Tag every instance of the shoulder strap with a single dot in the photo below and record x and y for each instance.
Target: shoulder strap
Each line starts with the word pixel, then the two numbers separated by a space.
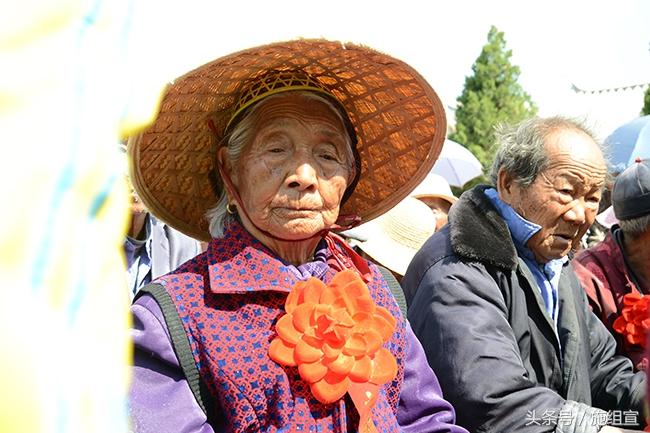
pixel 181 345
pixel 395 288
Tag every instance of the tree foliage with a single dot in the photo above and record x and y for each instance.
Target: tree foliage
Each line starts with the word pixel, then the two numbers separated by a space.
pixel 646 103
pixel 491 95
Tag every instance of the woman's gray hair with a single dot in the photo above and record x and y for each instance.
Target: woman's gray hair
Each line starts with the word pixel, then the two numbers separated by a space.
pixel 635 226
pixel 241 134
pixel 521 148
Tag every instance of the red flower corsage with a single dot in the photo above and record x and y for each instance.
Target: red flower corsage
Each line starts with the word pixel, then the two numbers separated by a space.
pixel 334 334
pixel 634 321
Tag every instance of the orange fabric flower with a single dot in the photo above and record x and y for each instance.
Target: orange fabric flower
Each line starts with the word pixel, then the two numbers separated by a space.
pixel 634 321
pixel 334 334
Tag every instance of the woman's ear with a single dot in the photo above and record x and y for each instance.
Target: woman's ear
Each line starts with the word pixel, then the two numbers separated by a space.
pixel 224 161
pixel 222 157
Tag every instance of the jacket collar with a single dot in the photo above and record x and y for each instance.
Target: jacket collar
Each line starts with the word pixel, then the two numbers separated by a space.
pixel 613 248
pixel 521 229
pixel 239 263
pixel 613 244
pixel 478 232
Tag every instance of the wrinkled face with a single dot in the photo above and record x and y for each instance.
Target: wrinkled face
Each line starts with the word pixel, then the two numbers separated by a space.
pixel 564 197
pixel 294 171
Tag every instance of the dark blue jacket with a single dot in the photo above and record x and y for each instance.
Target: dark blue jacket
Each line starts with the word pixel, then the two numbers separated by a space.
pixel 476 308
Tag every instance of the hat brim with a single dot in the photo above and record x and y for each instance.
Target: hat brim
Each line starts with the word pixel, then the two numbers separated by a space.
pixel 388 252
pixel 398 118
pixel 448 198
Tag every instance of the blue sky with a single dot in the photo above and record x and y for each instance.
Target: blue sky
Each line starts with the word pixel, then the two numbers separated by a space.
pixel 592 44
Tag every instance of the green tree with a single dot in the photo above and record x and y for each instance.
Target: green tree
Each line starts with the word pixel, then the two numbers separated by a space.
pixel 491 95
pixel 646 103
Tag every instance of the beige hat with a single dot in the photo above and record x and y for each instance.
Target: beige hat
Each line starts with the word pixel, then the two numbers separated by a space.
pixel 434 185
pixel 393 239
pixel 398 119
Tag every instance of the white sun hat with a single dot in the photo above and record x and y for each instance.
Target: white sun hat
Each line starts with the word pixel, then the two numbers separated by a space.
pixel 434 185
pixel 393 238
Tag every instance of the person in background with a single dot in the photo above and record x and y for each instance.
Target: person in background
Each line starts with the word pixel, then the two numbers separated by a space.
pixel 495 302
pixel 621 263
pixel 393 239
pixel 595 234
pixel 153 248
pixel 280 325
pixel 597 231
pixel 436 193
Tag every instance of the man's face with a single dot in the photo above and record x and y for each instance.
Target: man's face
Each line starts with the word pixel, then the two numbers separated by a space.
pixel 564 197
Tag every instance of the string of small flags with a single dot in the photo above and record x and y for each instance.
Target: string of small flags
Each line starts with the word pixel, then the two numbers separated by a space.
pixel 612 89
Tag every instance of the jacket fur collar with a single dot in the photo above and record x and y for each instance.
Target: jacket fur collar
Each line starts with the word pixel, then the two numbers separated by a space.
pixel 478 232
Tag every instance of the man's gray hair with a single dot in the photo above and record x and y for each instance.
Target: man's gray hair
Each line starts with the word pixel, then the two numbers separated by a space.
pixel 218 216
pixel 635 226
pixel 521 148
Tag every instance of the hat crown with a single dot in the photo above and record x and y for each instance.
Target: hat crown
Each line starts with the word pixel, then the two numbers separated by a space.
pixel 433 185
pixel 272 82
pixel 410 223
pixel 631 192
pixel 395 237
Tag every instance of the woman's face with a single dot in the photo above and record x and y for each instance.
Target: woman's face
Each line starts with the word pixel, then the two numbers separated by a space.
pixel 292 174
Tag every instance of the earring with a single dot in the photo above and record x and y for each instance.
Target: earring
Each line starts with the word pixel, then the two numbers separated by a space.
pixel 231 209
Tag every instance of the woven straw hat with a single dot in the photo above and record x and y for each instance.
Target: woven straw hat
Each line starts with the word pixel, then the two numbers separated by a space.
pixel 393 239
pixel 398 118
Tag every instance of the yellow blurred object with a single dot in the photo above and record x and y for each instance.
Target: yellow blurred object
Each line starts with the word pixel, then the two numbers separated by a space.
pixel 67 94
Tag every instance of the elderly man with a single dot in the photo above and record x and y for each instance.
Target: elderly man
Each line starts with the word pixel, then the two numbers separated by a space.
pixel 621 263
pixel 497 307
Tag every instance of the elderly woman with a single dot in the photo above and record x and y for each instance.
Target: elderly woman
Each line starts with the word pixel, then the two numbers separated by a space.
pixel 279 326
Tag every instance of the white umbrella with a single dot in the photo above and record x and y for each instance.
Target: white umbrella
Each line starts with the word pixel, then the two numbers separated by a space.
pixel 457 164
